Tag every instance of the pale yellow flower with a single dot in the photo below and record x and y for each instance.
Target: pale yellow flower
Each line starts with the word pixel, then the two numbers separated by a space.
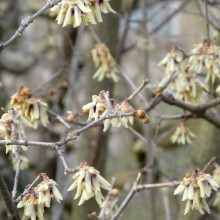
pixel 173 61
pixel 6 128
pixel 88 183
pixel 189 88
pixel 206 56
pixel 182 135
pixel 76 12
pixel 196 187
pixel 31 109
pixel 32 210
pixel 46 190
pixel 106 64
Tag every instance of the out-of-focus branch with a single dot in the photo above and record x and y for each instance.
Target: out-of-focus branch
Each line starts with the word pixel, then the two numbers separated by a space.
pixel 137 134
pixel 144 83
pixel 25 23
pixel 16 153
pixel 211 18
pixel 137 188
pixel 169 17
pixel 5 195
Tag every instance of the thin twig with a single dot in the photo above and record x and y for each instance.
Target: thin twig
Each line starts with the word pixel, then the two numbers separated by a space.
pixel 59 118
pixel 132 85
pixel 95 35
pixel 207 19
pixel 137 134
pixel 28 189
pixel 25 23
pixel 136 92
pixel 71 136
pixel 137 188
pixel 208 164
pixel 15 137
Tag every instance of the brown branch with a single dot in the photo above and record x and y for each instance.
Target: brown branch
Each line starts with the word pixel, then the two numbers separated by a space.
pixel 137 134
pixel 136 92
pixel 207 19
pixel 28 188
pixel 208 164
pixel 25 23
pixel 211 20
pixel 15 137
pixel 201 111
pixel 137 188
pixel 12 211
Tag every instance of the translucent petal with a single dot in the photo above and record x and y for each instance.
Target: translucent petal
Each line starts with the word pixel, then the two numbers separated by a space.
pixel 103 182
pixel 83 7
pixel 98 12
pixel 68 17
pixel 88 184
pixel 188 206
pixel 56 193
pixel 107 124
pixel 77 17
pixel 179 189
pixel 73 186
pixel 191 191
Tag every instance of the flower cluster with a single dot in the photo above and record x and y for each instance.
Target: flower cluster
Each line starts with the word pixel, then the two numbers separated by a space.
pixel 31 207
pixel 39 197
pixel 6 129
pixel 189 88
pixel 31 109
pixel 47 189
pixel 206 56
pixel 173 61
pixel 75 12
pixel 124 107
pixel 196 187
pixel 99 108
pixel 103 59
pixel 89 182
pixel 182 135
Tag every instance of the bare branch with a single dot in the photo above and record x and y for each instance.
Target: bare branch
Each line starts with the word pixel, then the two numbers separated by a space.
pixel 25 23
pixel 137 188
pixel 201 111
pixel 11 113
pixel 136 92
pixel 208 164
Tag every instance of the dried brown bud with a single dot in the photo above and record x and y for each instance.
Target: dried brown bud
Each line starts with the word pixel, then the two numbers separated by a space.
pixel 24 91
pixel 145 120
pixel 140 113
pixel 64 85
pixel 71 118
